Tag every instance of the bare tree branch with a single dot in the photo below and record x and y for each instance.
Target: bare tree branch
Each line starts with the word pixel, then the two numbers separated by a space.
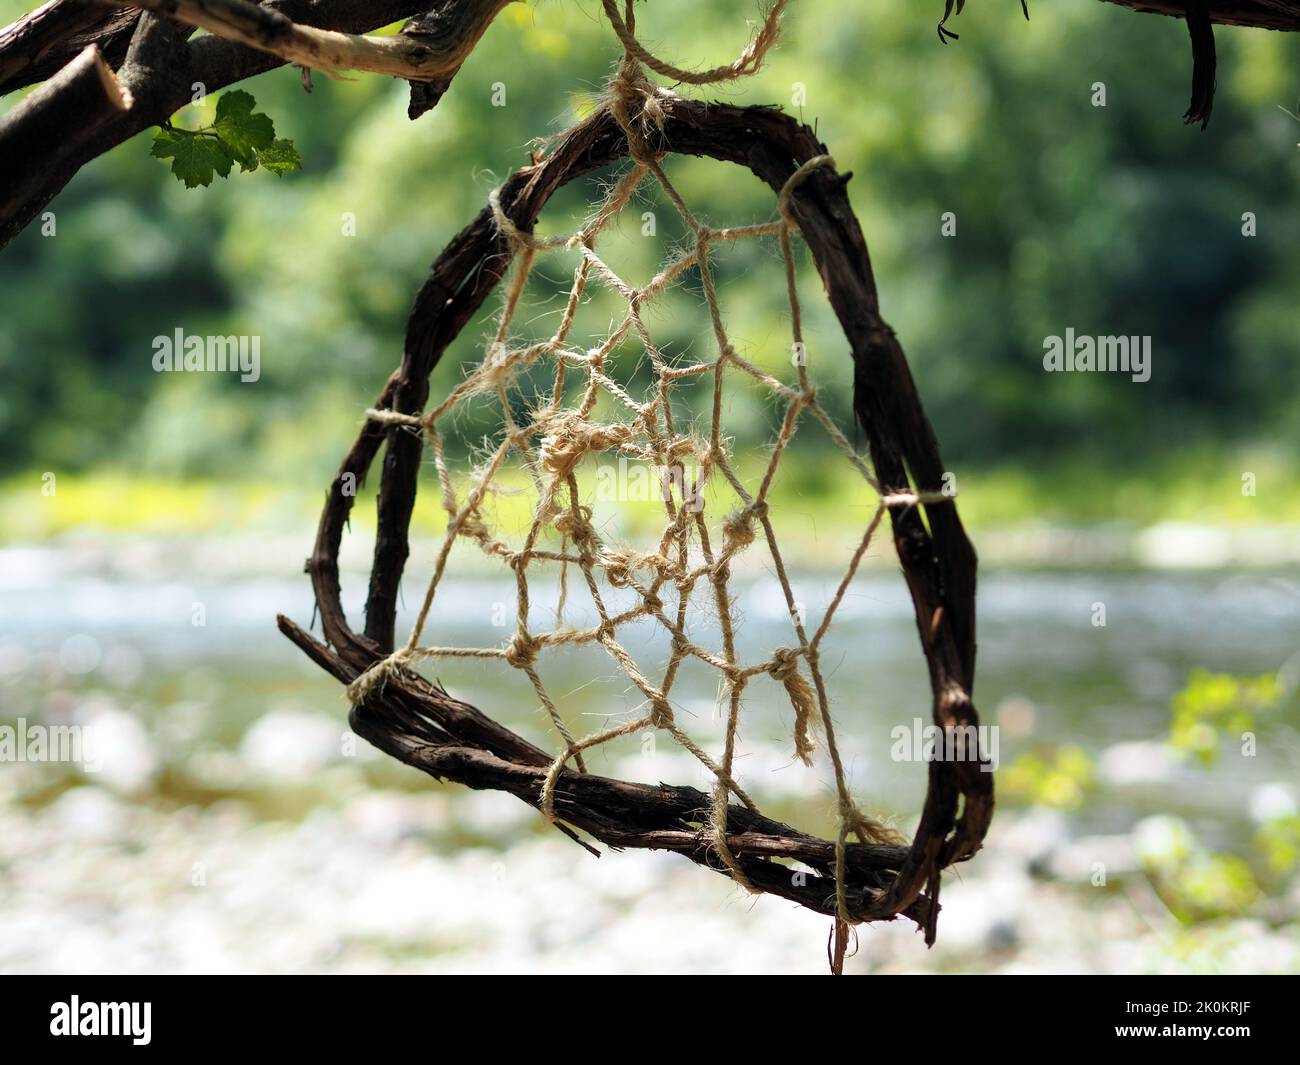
pixel 430 26
pixel 433 54
pixel 1263 14
pixel 44 41
pixel 86 92
pixel 158 53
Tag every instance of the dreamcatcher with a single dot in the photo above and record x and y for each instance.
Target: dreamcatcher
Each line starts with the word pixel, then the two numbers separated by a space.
pixel 867 873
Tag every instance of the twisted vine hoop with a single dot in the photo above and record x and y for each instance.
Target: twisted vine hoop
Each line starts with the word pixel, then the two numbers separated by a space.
pixel 424 726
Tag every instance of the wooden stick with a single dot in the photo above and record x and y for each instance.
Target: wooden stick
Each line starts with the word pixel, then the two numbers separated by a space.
pixel 620 814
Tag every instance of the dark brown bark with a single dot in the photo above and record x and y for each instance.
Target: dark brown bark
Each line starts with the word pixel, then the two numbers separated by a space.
pixel 1264 14
pixel 447 36
pixel 424 726
pixel 431 26
pixel 85 91
pixel 44 41
pixel 1204 62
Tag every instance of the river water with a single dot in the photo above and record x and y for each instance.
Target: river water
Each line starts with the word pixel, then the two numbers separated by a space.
pixel 225 750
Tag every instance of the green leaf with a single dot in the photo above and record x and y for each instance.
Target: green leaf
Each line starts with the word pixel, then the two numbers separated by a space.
pixel 237 135
pixel 280 157
pixel 194 157
pixel 164 141
pixel 244 131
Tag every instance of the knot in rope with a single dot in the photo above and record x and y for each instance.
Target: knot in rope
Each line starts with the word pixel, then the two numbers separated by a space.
pixel 712 454
pixel 374 678
pixel 472 525
pixel 522 650
pixel 667 568
pixel 785 668
pixel 576 525
pixel 618 567
pixel 864 827
pixel 572 438
pixel 637 104
pixel 661 713
pixel 739 526
pixel 785 660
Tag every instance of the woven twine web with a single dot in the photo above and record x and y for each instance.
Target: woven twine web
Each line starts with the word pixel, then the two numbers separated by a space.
pixel 556 439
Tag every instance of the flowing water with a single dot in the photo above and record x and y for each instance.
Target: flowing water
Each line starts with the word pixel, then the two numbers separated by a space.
pixel 207 713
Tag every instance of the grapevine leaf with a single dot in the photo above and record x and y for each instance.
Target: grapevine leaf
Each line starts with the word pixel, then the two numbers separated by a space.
pixel 243 130
pixel 164 142
pixel 280 158
pixel 194 157
pixel 238 134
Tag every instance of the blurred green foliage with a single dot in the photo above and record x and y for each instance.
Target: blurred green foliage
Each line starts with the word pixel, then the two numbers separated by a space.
pixel 1278 839
pixel 1059 779
pixel 1215 707
pixel 1114 220
pixel 1195 884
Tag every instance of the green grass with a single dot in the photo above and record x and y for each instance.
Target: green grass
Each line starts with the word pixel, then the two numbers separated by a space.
pixel 817 490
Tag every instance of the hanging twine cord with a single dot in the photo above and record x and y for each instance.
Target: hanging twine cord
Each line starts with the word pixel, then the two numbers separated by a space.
pixel 558 438
pixel 748 62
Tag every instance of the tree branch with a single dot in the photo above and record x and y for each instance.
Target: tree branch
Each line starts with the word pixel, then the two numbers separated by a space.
pixel 431 26
pixel 211 60
pixel 424 58
pixel 84 93
pixel 44 41
pixel 1262 14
